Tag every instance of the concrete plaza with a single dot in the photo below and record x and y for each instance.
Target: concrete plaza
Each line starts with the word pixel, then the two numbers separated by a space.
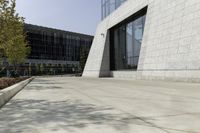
pixel 84 105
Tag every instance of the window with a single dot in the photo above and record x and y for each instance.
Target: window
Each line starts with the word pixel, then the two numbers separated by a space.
pixel 125 43
pixel 108 6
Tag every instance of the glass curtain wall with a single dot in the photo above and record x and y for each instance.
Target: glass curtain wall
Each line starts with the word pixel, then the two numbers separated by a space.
pixel 108 6
pixel 52 46
pixel 126 43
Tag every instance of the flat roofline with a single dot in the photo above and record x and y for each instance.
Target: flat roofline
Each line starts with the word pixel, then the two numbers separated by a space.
pixel 56 30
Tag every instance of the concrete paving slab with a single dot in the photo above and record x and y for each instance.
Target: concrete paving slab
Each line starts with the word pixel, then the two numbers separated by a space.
pixel 86 105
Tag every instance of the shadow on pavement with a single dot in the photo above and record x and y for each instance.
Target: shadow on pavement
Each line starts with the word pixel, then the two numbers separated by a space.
pixel 38 87
pixel 65 115
pixel 46 81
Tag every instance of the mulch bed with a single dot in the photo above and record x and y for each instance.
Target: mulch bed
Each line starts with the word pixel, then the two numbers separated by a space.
pixel 6 82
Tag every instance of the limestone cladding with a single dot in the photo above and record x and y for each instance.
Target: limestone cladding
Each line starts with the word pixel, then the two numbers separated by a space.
pixel 171 42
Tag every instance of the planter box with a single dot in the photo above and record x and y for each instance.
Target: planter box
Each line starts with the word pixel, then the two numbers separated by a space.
pixel 7 93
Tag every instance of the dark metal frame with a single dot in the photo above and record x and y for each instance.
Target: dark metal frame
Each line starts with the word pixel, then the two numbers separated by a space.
pixel 124 22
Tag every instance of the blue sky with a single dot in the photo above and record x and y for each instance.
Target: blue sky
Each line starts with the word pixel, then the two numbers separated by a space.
pixel 71 15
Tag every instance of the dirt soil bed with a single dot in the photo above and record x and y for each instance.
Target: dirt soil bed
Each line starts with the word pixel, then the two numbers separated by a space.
pixel 6 82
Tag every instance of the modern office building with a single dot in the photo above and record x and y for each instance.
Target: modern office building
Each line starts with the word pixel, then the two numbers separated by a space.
pixel 52 47
pixel 147 39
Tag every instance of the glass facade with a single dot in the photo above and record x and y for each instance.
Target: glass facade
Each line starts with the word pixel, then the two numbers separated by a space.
pixel 52 44
pixel 108 6
pixel 126 42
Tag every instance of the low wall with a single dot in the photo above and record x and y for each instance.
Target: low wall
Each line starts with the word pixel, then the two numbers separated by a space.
pixel 9 92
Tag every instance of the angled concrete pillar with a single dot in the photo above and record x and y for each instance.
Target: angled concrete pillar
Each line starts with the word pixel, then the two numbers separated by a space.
pixel 97 64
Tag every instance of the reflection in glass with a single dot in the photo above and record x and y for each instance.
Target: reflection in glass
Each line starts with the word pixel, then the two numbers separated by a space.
pixel 120 46
pixel 108 6
pixel 127 41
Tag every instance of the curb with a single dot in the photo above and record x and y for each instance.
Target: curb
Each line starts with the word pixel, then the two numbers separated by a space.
pixel 9 92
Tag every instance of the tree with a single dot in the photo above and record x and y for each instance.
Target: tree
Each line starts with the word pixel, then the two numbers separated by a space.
pixel 13 44
pixel 63 68
pixel 42 68
pixel 38 71
pixel 83 57
pixel 3 12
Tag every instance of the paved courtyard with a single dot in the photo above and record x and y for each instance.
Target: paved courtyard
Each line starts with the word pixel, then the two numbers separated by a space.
pixel 81 105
